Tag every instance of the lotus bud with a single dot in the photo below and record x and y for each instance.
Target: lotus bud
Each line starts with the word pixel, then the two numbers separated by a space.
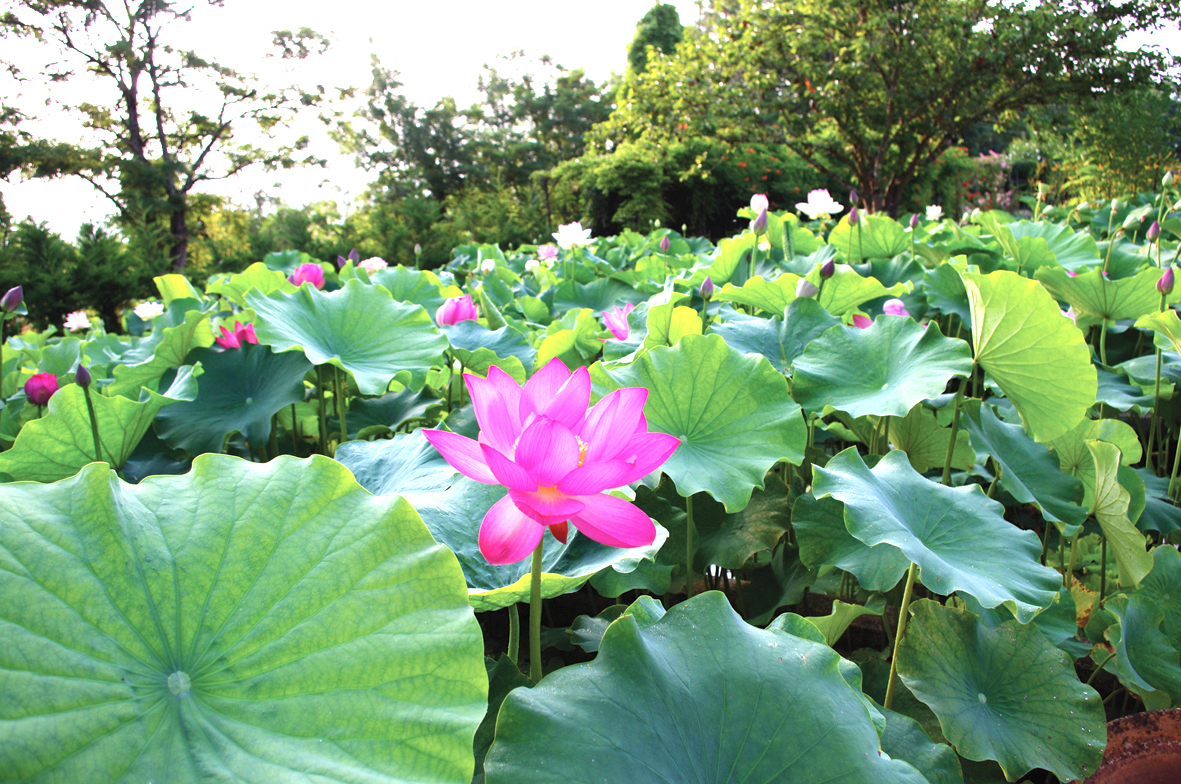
pixel 417 249
pixel 1118 205
pixel 1043 190
pixel 827 269
pixel 1165 284
pixel 805 288
pixel 341 261
pixel 853 216
pixel 707 288
pixel 759 224
pixel 82 377
pixel 1083 207
pixel 1153 233
pixel 40 388
pixel 665 244
pixel 1131 223
pixel 914 221
pixel 854 198
pixel 1177 206
pixel 1167 180
pixel 12 299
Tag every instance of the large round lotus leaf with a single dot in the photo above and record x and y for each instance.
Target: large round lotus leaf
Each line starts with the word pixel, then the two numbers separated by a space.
pixel 1167 327
pixel 732 254
pixel 1072 250
pixel 243 622
pixel 905 739
pixel 600 295
pixel 390 410
pixel 468 337
pixel 732 412
pixel 1147 661
pixel 846 289
pixel 358 328
pixel 182 328
pixel 1003 693
pixel 1028 470
pixel 925 443
pixel 668 703
pixel 1093 294
pixel 872 237
pixel 884 369
pixel 956 535
pixel 256 276
pixel 61 442
pixel 240 390
pixel 417 287
pixel 769 295
pixel 825 541
pixel 1162 587
pixel 780 340
pixel 1036 356
pixel 453 507
pixel 668 323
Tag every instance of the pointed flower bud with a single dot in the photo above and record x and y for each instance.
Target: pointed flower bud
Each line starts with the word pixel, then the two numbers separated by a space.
pixel 854 198
pixel 1165 284
pixel 1043 189
pixel 1118 205
pixel 1167 180
pixel 707 288
pixel 82 377
pixel 827 269
pixel 805 288
pixel 914 221
pixel 665 244
pixel 853 218
pixel 12 299
pixel 1131 223
pixel 40 388
pixel 417 249
pixel 759 224
pixel 1153 233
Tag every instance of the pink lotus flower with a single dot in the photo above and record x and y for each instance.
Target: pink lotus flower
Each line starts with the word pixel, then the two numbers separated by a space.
pixel 243 333
pixel 374 264
pixel 547 252
pixel 307 273
pixel 557 458
pixel 895 307
pixel 455 310
pixel 862 322
pixel 616 320
pixel 40 388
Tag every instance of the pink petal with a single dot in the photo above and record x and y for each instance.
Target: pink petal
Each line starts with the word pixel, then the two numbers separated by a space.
pixel 648 451
pixel 228 339
pixel 543 387
pixel 611 421
pixel 895 307
pixel 596 477
pixel 462 453
pixel 862 322
pixel 506 471
pixel 510 390
pixel 614 522
pixel 546 505
pixel 548 451
pixel 506 535
pixel 569 405
pixel 497 426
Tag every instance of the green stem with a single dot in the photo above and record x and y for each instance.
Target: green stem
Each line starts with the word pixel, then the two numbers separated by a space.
pixel 1070 569
pixel 342 391
pixel 535 615
pixel 1152 422
pixel 955 426
pixel 1173 474
pixel 789 233
pixel 294 432
pixel 514 633
pixel 690 546
pixel 461 384
pixel 1099 669
pixel 98 444
pixel 1103 342
pixel 902 611
pixel 1045 544
pixel 1102 568
pixel 992 485
pixel 273 445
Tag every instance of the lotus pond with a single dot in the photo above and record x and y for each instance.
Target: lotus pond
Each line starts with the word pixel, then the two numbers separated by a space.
pixel 900 506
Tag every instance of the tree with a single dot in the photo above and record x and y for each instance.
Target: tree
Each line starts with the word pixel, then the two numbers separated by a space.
pixel 659 28
pixel 871 92
pixel 172 121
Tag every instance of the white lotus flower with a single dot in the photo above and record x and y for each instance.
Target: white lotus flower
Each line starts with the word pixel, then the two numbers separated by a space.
pixel 819 204
pixel 76 321
pixel 759 202
pixel 934 212
pixel 532 265
pixel 487 265
pixel 374 264
pixel 572 235
pixel 148 310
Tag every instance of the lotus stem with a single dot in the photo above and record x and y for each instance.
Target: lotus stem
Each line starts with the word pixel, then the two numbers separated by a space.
pixel 1173 474
pixel 1069 573
pixel 992 484
pixel 1099 669
pixel 535 615
pixel 342 390
pixel 690 546
pixel 955 426
pixel 1152 422
pixel 514 633
pixel 273 444
pixel 1102 569
pixel 892 684
pixel 789 235
pixel 98 446
pixel 1103 342
pixel 322 412
pixel 294 432
pixel 1045 543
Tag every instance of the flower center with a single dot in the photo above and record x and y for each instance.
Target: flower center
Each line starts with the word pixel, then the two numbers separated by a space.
pixel 582 447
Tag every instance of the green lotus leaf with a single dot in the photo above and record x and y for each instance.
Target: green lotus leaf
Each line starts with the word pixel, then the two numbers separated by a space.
pixel 884 369
pixel 391 410
pixel 602 294
pixel 834 625
pixel 668 323
pixel 453 508
pixel 286 261
pixel 906 740
pixel 846 290
pixel 956 535
pixel 732 412
pixel 1118 392
pixel 785 233
pixel 1111 511
pixel 1075 459
pixel 358 328
pixel 925 442
pixel 468 337
pixel 503 677
pixel 664 703
pixel 1094 295
pixel 257 276
pixel 240 390
pixel 825 541
pixel 873 237
pixel 1167 327
pixel 178 331
pixel 1036 356
pixel 1162 586
pixel 772 296
pixel 1029 472
pixel 1160 513
pixel 247 622
pixel 1002 693
pixel 944 289
pixel 1146 660
pixel 785 580
pixel 1072 250
pixel 416 287
pixel 175 286
pixel 780 340
pixel 731 253
pixel 61 442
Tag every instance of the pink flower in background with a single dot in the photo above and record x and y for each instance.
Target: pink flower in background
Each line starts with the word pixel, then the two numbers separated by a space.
pixel 616 320
pixel 455 310
pixel 373 265
pixel 76 321
pixel 1070 314
pixel 307 273
pixel 557 458
pixel 1072 274
pixel 895 307
pixel 862 322
pixel 547 252
pixel 40 388
pixel 243 333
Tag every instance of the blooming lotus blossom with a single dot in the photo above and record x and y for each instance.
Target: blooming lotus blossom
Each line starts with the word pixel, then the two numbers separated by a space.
pixel 895 307
pixel 40 388
pixel 819 204
pixel 76 321
pixel 862 322
pixel 572 235
pixel 616 320
pixel 487 265
pixel 455 310
pixel 147 311
pixel 243 333
pixel 759 203
pixel 547 251
pixel 934 212
pixel 557 458
pixel 307 273
pixel 532 265
pixel 372 265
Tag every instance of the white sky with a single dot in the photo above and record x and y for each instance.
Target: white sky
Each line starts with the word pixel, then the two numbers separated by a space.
pixel 439 48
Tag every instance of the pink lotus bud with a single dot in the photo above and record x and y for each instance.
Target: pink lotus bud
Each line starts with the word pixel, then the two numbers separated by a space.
pixel 307 273
pixel 665 244
pixel 417 249
pixel 707 288
pixel 854 198
pixel 895 307
pixel 853 216
pixel 1153 233
pixel 82 377
pixel 806 288
pixel 1165 284
pixel 862 322
pixel 914 221
pixel 40 388
pixel 12 299
pixel 827 269
pixel 759 224
pixel 455 310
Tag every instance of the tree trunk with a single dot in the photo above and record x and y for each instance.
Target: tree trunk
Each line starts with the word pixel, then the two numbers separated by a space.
pixel 179 228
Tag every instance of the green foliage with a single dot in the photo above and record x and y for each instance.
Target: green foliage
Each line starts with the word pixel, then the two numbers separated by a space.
pixel 659 28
